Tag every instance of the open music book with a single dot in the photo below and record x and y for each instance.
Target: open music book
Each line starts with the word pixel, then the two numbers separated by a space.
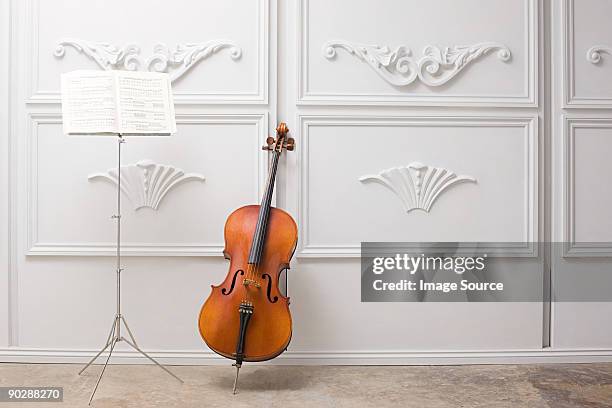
pixel 117 102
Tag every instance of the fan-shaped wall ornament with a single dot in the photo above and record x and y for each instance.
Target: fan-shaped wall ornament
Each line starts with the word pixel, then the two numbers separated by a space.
pixel 147 183
pixel 417 185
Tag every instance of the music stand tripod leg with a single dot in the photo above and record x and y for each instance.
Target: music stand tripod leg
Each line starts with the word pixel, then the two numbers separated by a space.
pixel 129 331
pixel 135 347
pixel 108 343
pixel 113 342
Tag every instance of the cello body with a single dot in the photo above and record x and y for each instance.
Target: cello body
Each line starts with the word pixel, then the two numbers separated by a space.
pixel 246 317
pixel 269 328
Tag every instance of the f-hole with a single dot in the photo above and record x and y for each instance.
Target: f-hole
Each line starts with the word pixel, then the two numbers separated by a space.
pixel 269 291
pixel 231 289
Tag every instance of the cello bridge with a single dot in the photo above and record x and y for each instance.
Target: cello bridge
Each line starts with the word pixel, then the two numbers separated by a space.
pixel 248 282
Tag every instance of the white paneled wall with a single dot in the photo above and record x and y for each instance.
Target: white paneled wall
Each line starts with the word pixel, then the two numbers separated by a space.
pixel 378 216
pixel 388 53
pixel 5 116
pixel 582 116
pixel 586 47
pixel 236 35
pixel 366 87
pixel 59 274
pixel 382 86
pixel 69 193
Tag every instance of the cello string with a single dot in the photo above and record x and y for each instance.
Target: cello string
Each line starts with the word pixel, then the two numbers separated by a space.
pixel 253 275
pixel 246 280
pixel 249 274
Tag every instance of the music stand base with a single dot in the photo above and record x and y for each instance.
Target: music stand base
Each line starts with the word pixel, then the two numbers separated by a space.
pixel 115 337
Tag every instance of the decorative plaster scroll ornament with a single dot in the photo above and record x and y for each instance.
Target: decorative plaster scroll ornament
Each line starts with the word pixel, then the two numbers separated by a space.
pixel 417 185
pixel 163 59
pixel 594 53
pixel 434 68
pixel 146 183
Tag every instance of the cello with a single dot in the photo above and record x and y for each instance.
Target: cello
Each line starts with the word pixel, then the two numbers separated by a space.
pixel 246 317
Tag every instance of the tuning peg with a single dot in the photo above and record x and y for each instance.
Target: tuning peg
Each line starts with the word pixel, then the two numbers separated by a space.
pixel 269 143
pixel 290 144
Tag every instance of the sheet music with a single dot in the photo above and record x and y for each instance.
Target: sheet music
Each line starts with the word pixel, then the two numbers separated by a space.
pixel 88 102
pixel 130 103
pixel 145 103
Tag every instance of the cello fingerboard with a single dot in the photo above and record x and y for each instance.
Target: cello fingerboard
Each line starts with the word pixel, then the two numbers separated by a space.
pixel 259 236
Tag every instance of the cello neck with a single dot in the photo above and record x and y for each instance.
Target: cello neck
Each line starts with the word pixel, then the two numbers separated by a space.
pixel 264 211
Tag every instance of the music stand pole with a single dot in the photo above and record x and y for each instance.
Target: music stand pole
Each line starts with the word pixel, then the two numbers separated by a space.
pixel 115 336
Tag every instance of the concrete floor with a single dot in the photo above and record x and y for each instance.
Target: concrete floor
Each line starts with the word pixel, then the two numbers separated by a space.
pixel 557 386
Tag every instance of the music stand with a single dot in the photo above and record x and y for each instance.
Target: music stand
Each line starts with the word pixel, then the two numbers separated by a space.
pixel 115 335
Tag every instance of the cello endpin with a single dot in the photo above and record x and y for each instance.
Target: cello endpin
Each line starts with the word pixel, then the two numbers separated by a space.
pixel 236 379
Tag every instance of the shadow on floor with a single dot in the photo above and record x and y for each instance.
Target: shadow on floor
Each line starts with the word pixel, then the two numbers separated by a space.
pixel 253 379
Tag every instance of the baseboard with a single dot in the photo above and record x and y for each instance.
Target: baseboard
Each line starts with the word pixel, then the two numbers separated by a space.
pixel 197 357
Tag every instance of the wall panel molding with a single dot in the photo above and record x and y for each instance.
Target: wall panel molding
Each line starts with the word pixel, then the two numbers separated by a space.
pixel 6 250
pixel 435 67
pixel 175 61
pixel 183 58
pixel 529 98
pixel 35 247
pixel 527 248
pixel 593 55
pixel 323 357
pixel 571 248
